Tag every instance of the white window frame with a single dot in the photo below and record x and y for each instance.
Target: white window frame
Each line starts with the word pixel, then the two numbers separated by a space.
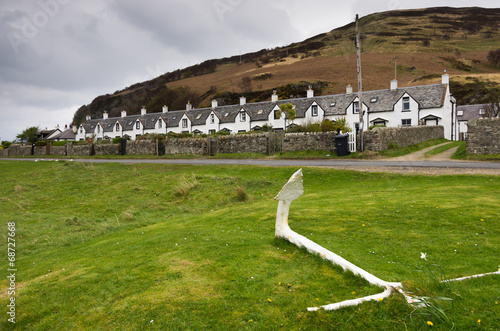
pixel 184 123
pixel 406 120
pixel 314 110
pixel 406 104
pixel 243 116
pixel 137 125
pixel 355 107
pixel 212 118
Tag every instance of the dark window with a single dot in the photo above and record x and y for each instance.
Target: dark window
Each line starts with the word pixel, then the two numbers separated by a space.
pixel 406 122
pixel 212 119
pixel 159 124
pixel 277 114
pixel 137 125
pixel 117 126
pixel 243 117
pixel 184 123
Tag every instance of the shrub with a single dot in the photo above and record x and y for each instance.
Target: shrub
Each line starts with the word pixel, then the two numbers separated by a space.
pixel 376 126
pixel 6 144
pixel 392 145
pixel 241 195
pixel 494 57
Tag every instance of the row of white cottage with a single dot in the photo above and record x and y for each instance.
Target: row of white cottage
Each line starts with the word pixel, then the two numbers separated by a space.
pixel 394 107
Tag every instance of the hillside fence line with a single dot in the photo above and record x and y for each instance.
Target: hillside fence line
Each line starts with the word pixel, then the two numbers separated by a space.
pixel 264 143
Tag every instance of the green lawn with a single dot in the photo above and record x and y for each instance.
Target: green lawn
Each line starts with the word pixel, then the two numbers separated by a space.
pixel 127 247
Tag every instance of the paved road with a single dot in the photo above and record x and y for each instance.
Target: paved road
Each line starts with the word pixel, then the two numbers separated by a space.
pixel 301 163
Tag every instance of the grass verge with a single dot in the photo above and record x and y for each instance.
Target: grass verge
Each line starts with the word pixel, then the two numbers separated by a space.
pixel 112 246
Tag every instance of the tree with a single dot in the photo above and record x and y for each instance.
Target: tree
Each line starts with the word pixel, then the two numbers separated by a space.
pixel 494 57
pixel 289 110
pixel 29 135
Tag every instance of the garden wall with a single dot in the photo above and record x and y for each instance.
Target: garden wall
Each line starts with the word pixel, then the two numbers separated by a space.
pixel 483 136
pixel 379 139
pixel 175 146
pixel 84 150
pixel 107 149
pixel 319 141
pixel 243 143
pixel 142 147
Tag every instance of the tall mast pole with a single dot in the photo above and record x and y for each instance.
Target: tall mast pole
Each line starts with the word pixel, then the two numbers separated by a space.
pixel 360 85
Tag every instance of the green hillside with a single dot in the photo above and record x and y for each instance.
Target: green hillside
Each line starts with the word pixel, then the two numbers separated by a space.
pixel 425 42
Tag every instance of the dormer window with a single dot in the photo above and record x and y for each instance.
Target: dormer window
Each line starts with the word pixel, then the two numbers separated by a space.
pixel 184 123
pixel 137 125
pixel 355 106
pixel 117 126
pixel 314 110
pixel 98 129
pixel 277 114
pixel 159 124
pixel 406 103
pixel 212 118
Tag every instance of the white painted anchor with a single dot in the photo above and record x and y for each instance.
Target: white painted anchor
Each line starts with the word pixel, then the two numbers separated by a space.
pixel 294 189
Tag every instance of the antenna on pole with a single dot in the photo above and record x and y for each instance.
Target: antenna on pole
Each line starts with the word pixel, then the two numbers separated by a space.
pixel 395 67
pixel 360 86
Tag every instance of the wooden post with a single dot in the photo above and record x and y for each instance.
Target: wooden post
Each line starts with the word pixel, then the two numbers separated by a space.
pixel 360 85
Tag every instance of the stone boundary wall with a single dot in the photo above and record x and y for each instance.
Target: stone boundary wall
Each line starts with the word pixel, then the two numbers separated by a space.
pixel 483 136
pixel 243 143
pixel 375 140
pixel 379 139
pixel 84 150
pixel 4 152
pixel 176 146
pixel 58 150
pixel 318 141
pixel 107 149
pixel 142 147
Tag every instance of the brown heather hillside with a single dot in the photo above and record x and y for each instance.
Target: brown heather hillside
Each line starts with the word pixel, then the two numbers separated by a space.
pixel 426 42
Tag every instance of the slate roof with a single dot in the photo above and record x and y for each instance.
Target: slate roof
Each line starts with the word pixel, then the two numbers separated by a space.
pixel 470 111
pixel 65 135
pixel 228 114
pixel 428 96
pixel 173 117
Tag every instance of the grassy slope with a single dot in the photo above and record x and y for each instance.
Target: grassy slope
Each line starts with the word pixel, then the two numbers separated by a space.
pixel 118 246
pixel 452 45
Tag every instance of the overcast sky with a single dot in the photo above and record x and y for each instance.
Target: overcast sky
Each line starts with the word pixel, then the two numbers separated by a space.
pixel 57 55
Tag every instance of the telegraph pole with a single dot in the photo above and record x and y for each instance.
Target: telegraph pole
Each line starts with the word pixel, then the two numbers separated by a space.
pixel 360 86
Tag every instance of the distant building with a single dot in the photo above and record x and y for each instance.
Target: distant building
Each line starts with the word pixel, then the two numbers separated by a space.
pixel 469 112
pixel 394 107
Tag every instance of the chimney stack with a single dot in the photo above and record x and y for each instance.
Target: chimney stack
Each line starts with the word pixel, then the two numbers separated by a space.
pixel 310 92
pixel 124 113
pixel 74 127
pixel 189 106
pixel 105 115
pixel 274 96
pixel 394 85
pixel 143 111
pixel 348 89
pixel 445 78
pixel 87 118
pixel 165 109
pixel 214 103
pixel 243 101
